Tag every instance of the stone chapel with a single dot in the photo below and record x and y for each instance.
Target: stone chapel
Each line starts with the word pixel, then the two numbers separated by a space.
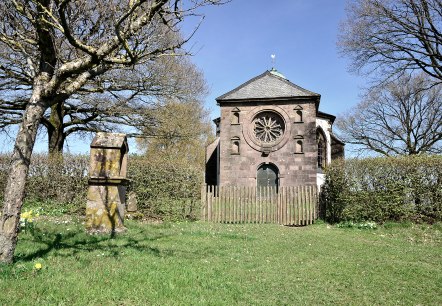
pixel 271 133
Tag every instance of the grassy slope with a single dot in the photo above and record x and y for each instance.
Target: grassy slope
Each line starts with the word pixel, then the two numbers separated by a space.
pixel 216 264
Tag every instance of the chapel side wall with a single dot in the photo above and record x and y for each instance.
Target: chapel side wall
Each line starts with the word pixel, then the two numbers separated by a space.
pixel 326 128
pixel 296 169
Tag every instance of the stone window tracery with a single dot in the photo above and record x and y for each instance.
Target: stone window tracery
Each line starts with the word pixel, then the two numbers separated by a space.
pixel 268 127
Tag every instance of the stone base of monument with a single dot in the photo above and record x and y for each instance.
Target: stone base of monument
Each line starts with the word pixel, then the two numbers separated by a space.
pixel 105 205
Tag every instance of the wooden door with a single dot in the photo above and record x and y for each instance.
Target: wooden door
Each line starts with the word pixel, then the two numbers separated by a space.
pixel 267 176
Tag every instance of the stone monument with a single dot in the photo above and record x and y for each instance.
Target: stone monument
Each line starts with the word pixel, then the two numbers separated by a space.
pixel 106 197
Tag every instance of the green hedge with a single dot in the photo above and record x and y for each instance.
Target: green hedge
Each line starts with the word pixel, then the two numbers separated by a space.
pixel 165 189
pixel 383 189
pixel 57 183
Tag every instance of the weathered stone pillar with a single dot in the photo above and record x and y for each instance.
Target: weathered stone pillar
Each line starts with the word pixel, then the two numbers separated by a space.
pixel 106 197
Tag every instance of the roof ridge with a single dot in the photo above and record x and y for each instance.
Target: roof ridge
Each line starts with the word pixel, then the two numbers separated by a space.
pixel 269 73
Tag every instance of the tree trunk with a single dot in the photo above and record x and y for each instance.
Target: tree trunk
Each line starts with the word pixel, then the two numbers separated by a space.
pixel 56 135
pixel 15 186
pixel 56 142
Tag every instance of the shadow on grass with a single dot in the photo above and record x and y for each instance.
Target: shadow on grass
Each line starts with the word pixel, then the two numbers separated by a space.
pixel 77 241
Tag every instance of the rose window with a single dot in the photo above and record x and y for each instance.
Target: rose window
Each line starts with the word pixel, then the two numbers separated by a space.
pixel 268 127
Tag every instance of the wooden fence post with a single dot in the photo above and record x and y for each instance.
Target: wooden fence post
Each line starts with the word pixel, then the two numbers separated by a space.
pixel 203 202
pixel 287 205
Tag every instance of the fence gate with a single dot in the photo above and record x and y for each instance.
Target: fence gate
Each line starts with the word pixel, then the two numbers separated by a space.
pixel 282 205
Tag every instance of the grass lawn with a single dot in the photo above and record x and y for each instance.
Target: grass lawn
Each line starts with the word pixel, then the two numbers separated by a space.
pixel 222 264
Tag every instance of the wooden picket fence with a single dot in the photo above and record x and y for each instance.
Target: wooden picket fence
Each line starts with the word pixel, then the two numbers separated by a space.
pixel 284 205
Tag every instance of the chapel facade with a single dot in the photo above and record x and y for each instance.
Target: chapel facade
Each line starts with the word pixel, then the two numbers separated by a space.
pixel 271 133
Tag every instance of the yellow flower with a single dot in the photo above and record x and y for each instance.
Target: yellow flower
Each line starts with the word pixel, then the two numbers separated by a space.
pixel 26 214
pixel 37 266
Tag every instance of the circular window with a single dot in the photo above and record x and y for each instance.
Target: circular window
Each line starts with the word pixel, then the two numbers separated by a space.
pixel 268 127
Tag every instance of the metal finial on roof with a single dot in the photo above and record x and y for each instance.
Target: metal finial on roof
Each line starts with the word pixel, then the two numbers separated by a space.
pixel 273 70
pixel 277 73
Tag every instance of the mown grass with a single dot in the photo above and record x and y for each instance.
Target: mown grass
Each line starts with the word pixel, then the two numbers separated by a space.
pixel 221 264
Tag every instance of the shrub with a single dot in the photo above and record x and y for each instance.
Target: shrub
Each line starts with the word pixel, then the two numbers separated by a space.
pixel 59 181
pixel 166 188
pixel 383 189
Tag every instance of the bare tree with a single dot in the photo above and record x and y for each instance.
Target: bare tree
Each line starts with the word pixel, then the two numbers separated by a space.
pixel 116 99
pixel 392 36
pixel 402 117
pixel 69 43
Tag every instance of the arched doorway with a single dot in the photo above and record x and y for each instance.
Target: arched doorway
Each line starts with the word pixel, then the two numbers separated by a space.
pixel 267 176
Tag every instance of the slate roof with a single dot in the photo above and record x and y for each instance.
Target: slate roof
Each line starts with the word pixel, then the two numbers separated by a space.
pixel 269 85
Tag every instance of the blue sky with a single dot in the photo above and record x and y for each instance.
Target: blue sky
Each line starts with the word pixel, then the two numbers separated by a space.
pixel 235 41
